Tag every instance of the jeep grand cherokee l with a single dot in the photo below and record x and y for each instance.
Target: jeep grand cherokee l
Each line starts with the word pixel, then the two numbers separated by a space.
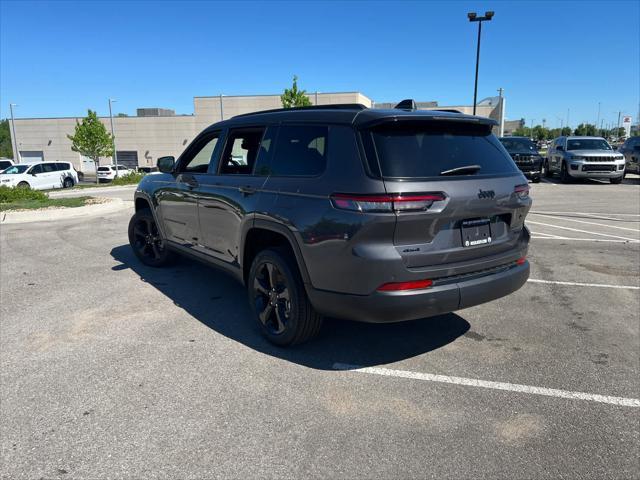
pixel 583 157
pixel 343 211
pixel 525 155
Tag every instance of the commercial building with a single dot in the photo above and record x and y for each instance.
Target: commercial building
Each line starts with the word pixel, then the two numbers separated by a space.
pixel 156 132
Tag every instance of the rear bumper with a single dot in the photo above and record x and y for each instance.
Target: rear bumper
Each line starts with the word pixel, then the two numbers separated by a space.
pixel 388 307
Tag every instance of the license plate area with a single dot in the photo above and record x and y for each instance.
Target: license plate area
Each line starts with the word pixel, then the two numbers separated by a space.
pixel 476 231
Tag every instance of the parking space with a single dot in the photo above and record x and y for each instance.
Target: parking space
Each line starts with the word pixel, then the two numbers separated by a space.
pixel 112 369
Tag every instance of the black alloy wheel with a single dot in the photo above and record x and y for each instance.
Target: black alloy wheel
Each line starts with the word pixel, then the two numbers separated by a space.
pixel 271 298
pixel 146 241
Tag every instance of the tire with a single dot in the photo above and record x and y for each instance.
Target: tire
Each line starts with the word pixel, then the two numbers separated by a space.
pixel 23 185
pixel 564 174
pixel 279 301
pixel 535 179
pixel 68 182
pixel 146 241
pixel 547 171
pixel 617 180
pixel 80 176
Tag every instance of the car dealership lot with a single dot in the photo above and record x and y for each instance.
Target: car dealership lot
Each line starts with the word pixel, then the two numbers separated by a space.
pixel 112 369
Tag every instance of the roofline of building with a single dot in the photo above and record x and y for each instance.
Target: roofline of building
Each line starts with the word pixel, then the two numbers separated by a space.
pixel 276 95
pixel 105 117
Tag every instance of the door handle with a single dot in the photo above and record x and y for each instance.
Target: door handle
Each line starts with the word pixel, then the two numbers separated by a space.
pixel 247 190
pixel 190 181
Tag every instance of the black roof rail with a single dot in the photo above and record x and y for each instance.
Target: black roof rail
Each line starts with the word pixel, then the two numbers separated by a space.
pixel 408 104
pixel 335 106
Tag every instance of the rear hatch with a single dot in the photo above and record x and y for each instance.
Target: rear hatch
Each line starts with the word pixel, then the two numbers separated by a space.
pixel 476 199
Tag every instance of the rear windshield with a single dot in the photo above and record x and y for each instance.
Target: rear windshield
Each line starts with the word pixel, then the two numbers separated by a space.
pixel 588 144
pixel 518 144
pixel 104 169
pixel 424 149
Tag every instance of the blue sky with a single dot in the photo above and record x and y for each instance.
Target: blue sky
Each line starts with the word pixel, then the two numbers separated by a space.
pixel 60 58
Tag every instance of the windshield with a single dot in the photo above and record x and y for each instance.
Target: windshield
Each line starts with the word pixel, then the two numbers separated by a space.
pixel 426 149
pixel 16 169
pixel 588 144
pixel 104 169
pixel 518 145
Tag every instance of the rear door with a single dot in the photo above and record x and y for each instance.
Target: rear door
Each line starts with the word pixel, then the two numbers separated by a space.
pixel 459 214
pixel 228 200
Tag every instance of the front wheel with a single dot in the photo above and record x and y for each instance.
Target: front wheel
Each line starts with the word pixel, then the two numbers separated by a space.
pixel 67 183
pixel 23 185
pixel 564 174
pixel 279 301
pixel 146 240
pixel 616 180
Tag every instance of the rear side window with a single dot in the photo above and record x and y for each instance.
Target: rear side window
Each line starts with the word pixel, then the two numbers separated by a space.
pixel 62 166
pixel 48 167
pixel 301 151
pixel 425 149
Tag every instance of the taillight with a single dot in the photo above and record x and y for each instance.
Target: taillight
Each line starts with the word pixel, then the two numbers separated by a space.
pixel 386 203
pixel 399 286
pixel 522 191
pixel 521 261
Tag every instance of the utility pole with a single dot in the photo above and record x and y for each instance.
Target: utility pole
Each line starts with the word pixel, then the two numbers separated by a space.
pixel 473 17
pixel 568 119
pixel 113 136
pixel 533 124
pixel 598 121
pixel 221 110
pixel 500 91
pixel 316 97
pixel 16 152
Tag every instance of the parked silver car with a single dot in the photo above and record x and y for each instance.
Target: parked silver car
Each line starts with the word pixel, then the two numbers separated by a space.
pixel 583 157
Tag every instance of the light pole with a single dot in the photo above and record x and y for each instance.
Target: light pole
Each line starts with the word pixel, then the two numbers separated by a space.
pixel 113 137
pixel 16 152
pixel 473 17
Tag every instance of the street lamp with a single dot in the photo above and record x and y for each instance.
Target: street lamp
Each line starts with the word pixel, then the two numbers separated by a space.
pixel 16 152
pixel 113 137
pixel 473 17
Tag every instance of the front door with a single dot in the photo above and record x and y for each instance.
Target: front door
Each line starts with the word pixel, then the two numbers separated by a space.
pixel 229 200
pixel 177 200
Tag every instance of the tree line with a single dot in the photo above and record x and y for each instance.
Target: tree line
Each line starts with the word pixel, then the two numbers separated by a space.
pixel 584 129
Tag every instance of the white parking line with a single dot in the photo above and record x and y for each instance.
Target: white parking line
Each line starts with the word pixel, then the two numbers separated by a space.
pixel 584 231
pixel 593 223
pixel 510 387
pixel 579 284
pixel 578 239
pixel 592 213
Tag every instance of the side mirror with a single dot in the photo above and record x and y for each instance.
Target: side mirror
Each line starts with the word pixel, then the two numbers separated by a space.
pixel 166 164
pixel 560 148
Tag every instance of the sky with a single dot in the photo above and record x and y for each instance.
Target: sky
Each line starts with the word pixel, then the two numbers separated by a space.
pixel 553 59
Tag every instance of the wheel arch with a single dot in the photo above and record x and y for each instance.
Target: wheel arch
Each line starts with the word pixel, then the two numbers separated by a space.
pixel 264 234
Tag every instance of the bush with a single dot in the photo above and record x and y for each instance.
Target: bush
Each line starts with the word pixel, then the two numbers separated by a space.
pixel 10 195
pixel 129 179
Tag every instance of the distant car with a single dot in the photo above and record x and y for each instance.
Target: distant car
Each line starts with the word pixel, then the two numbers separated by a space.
pixel 583 157
pixel 631 151
pixel 147 169
pixel 5 163
pixel 40 176
pixel 525 154
pixel 108 172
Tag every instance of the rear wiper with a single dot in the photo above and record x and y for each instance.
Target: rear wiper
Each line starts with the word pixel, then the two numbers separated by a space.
pixel 462 170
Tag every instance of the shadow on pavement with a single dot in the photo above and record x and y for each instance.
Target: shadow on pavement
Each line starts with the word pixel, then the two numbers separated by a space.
pixel 220 303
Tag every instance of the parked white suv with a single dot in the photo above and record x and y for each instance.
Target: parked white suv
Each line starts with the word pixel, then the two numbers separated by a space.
pixel 108 172
pixel 40 176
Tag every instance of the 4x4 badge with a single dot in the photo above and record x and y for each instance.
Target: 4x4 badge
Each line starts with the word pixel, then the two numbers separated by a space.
pixel 486 194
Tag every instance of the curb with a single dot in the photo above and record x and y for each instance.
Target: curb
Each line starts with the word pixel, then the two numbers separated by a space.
pixel 54 214
pixel 89 192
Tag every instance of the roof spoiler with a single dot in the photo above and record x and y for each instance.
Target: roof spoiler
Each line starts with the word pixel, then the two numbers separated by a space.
pixel 408 104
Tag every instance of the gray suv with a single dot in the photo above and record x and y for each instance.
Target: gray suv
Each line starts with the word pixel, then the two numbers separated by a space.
pixel 343 211
pixel 583 157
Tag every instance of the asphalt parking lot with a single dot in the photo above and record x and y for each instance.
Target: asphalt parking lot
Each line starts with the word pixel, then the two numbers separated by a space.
pixel 110 369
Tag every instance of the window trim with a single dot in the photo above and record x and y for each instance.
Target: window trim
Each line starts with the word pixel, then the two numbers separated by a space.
pixel 195 147
pixel 305 124
pixel 228 134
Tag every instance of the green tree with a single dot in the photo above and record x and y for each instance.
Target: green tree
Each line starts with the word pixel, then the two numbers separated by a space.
pixel 6 148
pixel 566 131
pixel 586 129
pixel 292 97
pixel 91 139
